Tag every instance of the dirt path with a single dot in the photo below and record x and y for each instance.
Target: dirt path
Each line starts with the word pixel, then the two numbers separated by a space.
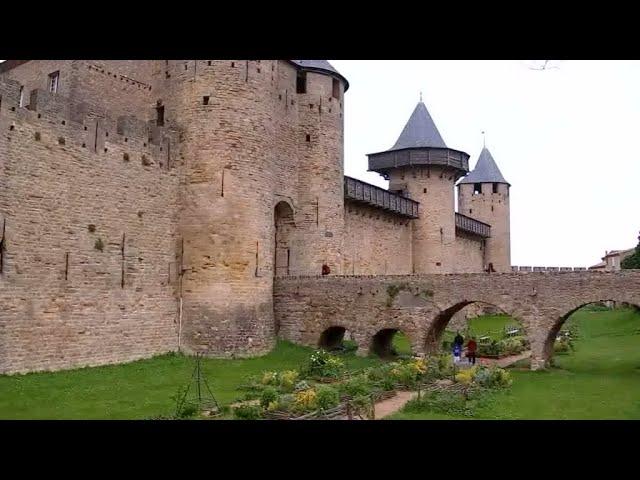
pixel 393 404
pixel 504 362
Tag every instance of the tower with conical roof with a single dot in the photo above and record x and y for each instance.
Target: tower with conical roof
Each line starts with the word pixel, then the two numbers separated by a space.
pixel 422 167
pixel 484 195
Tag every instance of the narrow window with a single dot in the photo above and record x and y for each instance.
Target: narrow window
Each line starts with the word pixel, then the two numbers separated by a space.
pixel 477 188
pixel 53 81
pixel 21 97
pixel 495 188
pixel 308 138
pixel 301 82
pixel 205 100
pixel 336 88
pixel 160 115
pixel 424 190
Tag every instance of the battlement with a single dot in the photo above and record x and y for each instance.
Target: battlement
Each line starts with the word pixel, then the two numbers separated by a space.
pixel 547 269
pixel 86 126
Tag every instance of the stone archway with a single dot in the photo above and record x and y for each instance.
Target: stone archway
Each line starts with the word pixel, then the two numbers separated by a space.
pixel 382 342
pixel 545 351
pixel 284 230
pixel 333 338
pixel 436 328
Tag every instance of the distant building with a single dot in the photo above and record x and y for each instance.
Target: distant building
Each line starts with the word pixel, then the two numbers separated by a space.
pixel 612 260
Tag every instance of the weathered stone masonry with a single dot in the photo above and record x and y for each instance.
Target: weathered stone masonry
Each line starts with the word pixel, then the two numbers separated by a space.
pixel 65 192
pixel 422 305
pixel 150 206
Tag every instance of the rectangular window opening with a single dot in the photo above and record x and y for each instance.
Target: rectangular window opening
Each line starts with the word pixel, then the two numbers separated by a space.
pixel 477 188
pixel 301 82
pixel 495 188
pixel 53 81
pixel 160 116
pixel 205 100
pixel 336 88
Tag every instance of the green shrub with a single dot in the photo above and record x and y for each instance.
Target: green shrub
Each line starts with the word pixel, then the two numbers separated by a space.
pixel 248 412
pixel 357 385
pixel 305 401
pixel 323 364
pixel 327 397
pixel 492 377
pixel 269 394
pixel 287 380
pixel 349 346
pixel 269 378
pixel 448 403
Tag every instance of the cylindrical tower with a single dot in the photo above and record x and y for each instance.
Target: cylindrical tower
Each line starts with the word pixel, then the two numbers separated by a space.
pixel 225 110
pixel 423 168
pixel 320 220
pixel 484 195
pixel 262 187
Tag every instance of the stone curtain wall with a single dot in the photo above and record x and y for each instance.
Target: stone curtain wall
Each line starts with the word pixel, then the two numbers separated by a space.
pixel 63 186
pixel 422 305
pixel 376 242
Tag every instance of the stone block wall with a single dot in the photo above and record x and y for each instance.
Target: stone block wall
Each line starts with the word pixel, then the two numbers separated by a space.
pixel 89 268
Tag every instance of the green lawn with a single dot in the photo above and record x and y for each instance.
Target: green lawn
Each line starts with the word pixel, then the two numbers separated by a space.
pixel 599 380
pixel 401 344
pixel 489 325
pixel 137 390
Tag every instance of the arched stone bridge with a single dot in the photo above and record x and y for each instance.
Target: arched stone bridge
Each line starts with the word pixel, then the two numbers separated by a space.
pixel 422 305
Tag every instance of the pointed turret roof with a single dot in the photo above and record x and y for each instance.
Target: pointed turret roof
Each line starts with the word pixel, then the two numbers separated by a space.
pixel 486 170
pixel 420 131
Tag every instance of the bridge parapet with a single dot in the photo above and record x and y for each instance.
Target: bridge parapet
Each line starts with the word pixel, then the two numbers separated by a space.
pixel 515 268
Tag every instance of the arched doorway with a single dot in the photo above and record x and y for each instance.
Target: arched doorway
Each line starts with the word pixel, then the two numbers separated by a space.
pixel 284 227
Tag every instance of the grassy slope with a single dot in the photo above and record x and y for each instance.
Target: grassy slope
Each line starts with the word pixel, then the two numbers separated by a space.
pixel 600 380
pixel 135 390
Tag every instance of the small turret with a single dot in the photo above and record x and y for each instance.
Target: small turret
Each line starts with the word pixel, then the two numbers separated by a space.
pixel 484 195
pixel 422 167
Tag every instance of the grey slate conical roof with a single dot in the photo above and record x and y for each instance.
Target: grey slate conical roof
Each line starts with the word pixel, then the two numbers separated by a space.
pixel 420 131
pixel 322 65
pixel 486 170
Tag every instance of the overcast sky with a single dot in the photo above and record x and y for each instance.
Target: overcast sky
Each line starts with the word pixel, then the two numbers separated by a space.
pixel 566 138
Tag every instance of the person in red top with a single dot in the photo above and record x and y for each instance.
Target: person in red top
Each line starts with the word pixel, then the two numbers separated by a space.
pixel 472 346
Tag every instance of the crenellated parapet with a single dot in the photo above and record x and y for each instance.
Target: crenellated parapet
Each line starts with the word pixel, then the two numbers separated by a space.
pixel 57 119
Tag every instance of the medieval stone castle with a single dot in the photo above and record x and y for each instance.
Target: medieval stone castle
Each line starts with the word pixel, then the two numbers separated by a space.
pixel 147 206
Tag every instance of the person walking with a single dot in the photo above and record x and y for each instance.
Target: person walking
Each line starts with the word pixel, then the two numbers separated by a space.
pixel 472 347
pixel 458 341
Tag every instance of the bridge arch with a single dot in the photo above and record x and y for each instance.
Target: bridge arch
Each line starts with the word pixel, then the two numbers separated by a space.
pixel 436 328
pixel 554 326
pixel 382 342
pixel 333 337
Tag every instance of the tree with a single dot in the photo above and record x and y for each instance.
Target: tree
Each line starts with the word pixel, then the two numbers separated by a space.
pixel 632 261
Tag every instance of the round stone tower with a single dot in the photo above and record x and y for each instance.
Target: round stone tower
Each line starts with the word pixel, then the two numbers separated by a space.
pixel 423 168
pixel 320 217
pixel 484 195
pixel 254 156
